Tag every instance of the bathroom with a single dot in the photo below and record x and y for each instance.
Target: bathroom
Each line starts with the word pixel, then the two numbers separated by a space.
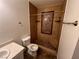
pixel 25 35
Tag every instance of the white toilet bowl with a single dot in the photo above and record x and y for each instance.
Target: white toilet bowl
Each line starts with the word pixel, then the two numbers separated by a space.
pixel 32 49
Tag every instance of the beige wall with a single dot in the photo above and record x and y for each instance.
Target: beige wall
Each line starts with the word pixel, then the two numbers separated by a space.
pixel 54 38
pixel 11 13
pixel 70 33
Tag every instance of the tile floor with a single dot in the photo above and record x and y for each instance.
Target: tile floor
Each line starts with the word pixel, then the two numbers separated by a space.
pixel 40 55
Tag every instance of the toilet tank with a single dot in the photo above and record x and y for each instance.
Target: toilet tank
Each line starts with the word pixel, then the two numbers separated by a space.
pixel 26 41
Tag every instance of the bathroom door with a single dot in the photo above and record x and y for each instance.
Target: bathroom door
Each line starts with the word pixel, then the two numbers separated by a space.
pixel 33 23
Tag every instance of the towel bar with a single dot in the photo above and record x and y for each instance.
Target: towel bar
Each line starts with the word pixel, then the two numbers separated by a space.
pixel 73 23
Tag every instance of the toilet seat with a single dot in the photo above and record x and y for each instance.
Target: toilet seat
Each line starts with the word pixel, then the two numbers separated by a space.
pixel 32 47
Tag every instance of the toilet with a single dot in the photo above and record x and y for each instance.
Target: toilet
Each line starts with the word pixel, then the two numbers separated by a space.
pixel 31 47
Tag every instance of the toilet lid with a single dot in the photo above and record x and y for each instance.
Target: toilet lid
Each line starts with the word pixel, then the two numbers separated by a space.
pixel 33 47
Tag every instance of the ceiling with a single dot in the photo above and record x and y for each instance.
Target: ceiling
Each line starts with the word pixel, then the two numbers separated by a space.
pixel 43 3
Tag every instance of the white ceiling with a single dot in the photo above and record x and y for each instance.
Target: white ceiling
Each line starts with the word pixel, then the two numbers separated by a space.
pixel 42 3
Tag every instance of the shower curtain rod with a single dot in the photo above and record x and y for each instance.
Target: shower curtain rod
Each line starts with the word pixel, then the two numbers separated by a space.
pixel 40 15
pixel 41 12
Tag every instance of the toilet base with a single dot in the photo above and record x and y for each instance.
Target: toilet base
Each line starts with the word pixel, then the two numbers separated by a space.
pixel 32 53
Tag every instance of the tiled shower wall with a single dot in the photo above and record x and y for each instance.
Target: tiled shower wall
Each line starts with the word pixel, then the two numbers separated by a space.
pixel 50 41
